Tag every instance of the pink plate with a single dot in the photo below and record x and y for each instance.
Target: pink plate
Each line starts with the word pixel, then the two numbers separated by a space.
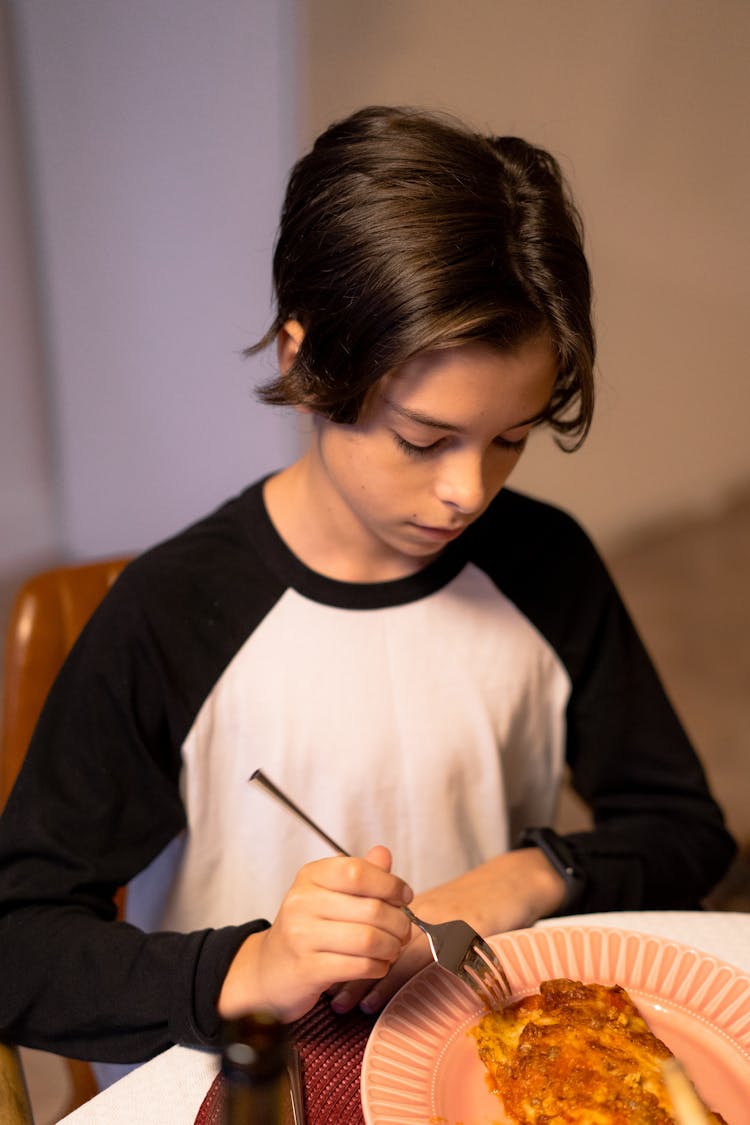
pixel 421 1066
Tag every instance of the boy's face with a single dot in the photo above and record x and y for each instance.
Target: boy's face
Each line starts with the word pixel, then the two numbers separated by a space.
pixel 433 447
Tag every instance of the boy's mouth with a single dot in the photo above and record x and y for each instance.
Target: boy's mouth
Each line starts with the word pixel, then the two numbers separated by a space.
pixel 443 533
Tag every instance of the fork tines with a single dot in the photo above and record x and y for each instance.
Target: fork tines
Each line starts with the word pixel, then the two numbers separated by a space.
pixel 483 972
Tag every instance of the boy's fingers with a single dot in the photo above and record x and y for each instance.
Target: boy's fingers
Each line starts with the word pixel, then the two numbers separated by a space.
pixel 366 911
pixel 356 940
pixel 416 957
pixel 380 856
pixel 372 995
pixel 345 998
pixel 355 876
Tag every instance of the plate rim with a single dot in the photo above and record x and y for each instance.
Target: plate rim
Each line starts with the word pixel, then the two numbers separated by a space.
pixel 505 942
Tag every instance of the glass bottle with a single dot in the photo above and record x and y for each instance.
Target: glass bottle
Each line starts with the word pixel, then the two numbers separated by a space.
pixel 253 1066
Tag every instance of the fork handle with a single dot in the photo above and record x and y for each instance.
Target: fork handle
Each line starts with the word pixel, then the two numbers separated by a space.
pixel 265 783
pixel 417 921
pixel 260 778
pixel 430 932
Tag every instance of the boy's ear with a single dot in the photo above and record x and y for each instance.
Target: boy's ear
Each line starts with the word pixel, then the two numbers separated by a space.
pixel 288 343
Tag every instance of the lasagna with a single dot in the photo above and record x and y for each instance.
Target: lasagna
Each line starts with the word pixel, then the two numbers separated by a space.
pixel 576 1054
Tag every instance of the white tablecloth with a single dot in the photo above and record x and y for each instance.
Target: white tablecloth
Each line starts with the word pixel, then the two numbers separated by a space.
pixel 172 1086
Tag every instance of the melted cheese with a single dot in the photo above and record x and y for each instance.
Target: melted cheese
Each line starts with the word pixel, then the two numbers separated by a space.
pixel 576 1054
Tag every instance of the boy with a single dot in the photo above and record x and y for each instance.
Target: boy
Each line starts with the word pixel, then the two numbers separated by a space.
pixel 409 649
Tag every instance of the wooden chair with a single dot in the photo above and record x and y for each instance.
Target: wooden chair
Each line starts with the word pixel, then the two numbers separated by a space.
pixel 48 613
pixel 15 1108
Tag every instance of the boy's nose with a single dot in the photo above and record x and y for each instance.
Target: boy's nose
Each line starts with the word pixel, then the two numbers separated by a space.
pixel 461 483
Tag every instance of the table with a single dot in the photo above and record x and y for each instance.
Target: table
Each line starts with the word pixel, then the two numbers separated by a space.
pixel 173 1086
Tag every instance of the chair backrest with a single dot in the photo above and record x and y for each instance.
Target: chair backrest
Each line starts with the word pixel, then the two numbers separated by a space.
pixel 15 1108
pixel 47 614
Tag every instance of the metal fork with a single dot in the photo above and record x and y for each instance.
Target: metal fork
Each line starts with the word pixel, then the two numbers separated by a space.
pixel 454 945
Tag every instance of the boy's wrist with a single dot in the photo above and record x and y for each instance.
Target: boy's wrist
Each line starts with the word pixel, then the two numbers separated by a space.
pixel 561 858
pixel 239 992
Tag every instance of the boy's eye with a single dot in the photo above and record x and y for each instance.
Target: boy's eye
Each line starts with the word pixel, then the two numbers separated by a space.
pixel 417 450
pixel 517 446
pixel 425 450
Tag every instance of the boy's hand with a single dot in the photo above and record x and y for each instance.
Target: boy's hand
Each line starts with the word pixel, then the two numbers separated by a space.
pixel 340 920
pixel 508 892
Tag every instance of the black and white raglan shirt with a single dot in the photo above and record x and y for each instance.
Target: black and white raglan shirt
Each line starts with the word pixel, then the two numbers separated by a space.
pixel 435 714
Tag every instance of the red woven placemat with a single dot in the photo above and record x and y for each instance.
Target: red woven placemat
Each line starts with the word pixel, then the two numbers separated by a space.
pixel 331 1047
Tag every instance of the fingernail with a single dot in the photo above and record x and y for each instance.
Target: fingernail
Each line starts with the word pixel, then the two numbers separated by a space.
pixel 371 1004
pixel 407 894
pixel 342 1001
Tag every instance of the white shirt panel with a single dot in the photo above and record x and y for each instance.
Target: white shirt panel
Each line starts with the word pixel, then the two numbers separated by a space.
pixel 435 727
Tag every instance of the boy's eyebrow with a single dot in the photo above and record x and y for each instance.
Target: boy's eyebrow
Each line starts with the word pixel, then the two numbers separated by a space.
pixel 437 424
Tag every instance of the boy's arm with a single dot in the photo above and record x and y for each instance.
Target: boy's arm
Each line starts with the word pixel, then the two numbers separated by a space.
pixel 96 801
pixel 81 821
pixel 659 838
pixel 105 991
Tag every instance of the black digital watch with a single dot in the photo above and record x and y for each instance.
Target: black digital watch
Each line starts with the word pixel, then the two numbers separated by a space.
pixel 561 856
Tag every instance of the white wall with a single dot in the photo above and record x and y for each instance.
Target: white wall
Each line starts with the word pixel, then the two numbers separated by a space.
pixel 646 104
pixel 160 136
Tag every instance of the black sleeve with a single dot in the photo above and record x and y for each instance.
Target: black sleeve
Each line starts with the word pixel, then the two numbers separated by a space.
pixel 659 839
pixel 96 801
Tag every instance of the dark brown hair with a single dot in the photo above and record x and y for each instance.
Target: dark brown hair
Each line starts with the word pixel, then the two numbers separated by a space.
pixel 402 231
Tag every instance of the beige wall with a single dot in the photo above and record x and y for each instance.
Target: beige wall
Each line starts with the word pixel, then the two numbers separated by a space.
pixel 645 102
